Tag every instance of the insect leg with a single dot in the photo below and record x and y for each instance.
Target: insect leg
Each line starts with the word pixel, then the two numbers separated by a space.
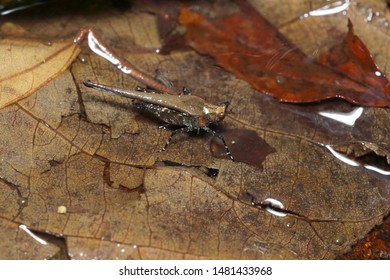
pixel 220 137
pixel 174 132
pixel 185 91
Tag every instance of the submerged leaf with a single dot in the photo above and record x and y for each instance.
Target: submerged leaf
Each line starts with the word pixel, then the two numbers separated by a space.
pixel 245 44
pixel 27 65
pixel 92 153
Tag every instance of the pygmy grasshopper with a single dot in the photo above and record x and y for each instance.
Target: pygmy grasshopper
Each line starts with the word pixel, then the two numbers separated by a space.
pixel 187 111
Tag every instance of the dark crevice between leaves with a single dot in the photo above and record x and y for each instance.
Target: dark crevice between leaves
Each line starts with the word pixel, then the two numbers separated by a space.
pixel 369 155
pixel 58 241
pixel 210 172
pixel 373 159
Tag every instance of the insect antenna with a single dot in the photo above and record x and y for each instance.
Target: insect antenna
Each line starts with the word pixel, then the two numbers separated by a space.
pixel 159 77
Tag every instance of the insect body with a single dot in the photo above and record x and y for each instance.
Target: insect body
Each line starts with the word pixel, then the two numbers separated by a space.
pixel 187 111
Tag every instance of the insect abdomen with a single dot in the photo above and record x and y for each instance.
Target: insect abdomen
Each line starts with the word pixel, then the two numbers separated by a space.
pixel 167 115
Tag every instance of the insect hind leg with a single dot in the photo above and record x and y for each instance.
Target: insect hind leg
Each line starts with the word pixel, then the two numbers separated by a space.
pixel 174 132
pixel 220 137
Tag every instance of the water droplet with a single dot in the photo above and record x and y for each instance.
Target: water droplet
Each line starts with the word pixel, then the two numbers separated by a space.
pixel 118 245
pixel 48 43
pixel 158 51
pixel 44 123
pixel 369 16
pixel 378 74
pixel 22 201
pixel 123 250
pixel 274 206
pixel 339 241
pixel 280 80
pixel 290 222
pixel 83 58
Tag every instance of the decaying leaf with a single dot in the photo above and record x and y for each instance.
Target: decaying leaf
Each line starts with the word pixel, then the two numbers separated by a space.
pixel 27 65
pixel 375 246
pixel 247 45
pixel 93 153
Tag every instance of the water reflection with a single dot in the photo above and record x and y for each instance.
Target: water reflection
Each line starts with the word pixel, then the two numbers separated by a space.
pixel 345 118
pixel 342 157
pixel 354 163
pixel 29 232
pixel 330 9
pixel 272 205
pixel 101 50
pixel 15 7
pixel 376 169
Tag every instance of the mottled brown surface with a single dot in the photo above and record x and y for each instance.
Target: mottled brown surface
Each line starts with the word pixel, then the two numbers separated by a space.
pixel 67 145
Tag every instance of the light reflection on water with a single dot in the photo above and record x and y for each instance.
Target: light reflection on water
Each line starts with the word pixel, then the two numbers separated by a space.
pixel 330 9
pixel 354 163
pixel 29 232
pixel 346 118
pixel 271 206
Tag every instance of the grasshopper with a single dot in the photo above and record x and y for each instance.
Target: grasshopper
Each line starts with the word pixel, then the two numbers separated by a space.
pixel 186 111
pixel 189 112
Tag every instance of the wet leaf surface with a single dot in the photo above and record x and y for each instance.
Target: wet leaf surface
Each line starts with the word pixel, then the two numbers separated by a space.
pixel 278 68
pixel 26 65
pixel 68 145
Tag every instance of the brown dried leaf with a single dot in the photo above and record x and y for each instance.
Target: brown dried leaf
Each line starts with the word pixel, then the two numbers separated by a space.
pixel 27 65
pixel 67 145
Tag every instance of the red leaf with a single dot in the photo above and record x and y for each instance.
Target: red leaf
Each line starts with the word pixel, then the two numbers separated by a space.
pixel 245 44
